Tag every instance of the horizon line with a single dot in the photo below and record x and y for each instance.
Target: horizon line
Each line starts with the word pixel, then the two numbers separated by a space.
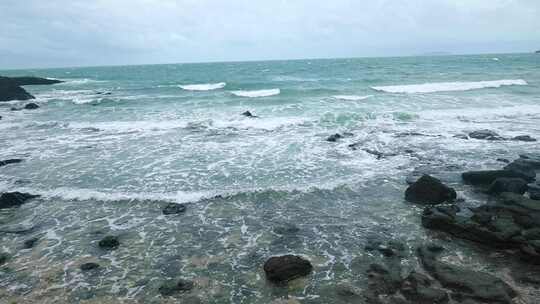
pixel 428 54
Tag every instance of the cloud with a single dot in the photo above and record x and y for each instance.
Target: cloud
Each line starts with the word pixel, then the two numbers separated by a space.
pixel 77 32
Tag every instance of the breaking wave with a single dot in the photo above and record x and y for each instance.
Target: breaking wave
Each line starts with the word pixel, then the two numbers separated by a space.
pixel 449 86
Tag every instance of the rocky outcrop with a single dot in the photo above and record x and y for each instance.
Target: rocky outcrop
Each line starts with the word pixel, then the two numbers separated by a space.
pixel 524 138
pixel 534 191
pixel 429 190
pixel 334 137
pixel 14 199
pixel 10 87
pixel 487 177
pixel 281 269
pixel 465 283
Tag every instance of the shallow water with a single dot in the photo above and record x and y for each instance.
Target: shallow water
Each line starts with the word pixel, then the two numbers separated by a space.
pixel 108 148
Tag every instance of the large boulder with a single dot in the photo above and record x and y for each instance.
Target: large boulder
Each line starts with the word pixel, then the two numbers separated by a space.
pixel 31 106
pixel 485 134
pixel 429 190
pixel 514 185
pixel 464 282
pixel 284 268
pixel 14 199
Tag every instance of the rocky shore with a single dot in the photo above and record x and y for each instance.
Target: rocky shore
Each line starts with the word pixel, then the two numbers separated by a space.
pixel 11 87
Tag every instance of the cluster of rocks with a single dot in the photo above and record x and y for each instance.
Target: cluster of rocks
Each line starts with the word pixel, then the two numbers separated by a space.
pixel 11 87
pixel 511 220
pixel 491 135
pixel 438 283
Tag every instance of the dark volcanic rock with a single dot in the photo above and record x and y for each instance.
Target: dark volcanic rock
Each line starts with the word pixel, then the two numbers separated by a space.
pixel 10 161
pixel 524 138
pixel 466 283
pixel 89 266
pixel 10 91
pixel 334 137
pixel 514 185
pixel 171 288
pixel 22 81
pixel 429 190
pixel 248 114
pixel 173 208
pixel 284 268
pixel 10 88
pixel 485 134
pixel 13 199
pixel 489 176
pixel 109 242
pixel 31 106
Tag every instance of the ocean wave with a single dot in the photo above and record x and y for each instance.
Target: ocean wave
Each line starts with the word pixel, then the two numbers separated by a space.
pixel 257 93
pixel 351 97
pixel 203 86
pixel 449 86
pixel 81 81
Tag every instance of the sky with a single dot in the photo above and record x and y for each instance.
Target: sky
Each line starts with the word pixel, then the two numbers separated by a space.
pixel 57 33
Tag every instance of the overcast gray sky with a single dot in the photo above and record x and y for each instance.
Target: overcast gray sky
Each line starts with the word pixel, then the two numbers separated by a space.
pixel 38 33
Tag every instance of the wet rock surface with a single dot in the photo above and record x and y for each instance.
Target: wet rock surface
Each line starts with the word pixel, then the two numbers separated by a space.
pixel 284 268
pixel 173 208
pixel 485 134
pixel 10 161
pixel 89 266
pixel 429 190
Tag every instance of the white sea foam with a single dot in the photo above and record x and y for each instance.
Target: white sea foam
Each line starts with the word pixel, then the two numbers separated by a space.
pixel 449 86
pixel 203 86
pixel 81 81
pixel 126 126
pixel 351 97
pixel 257 93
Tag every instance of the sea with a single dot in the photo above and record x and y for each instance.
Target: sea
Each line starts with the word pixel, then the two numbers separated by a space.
pixel 110 146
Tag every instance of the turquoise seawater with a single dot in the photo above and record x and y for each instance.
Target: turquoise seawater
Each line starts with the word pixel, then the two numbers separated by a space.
pixel 109 146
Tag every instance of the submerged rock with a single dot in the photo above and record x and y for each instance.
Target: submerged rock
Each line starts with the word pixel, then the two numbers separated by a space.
pixel 514 185
pixel 429 190
pixel 10 161
pixel 284 268
pixel 14 199
pixel 31 106
pixel 171 288
pixel 485 134
pixel 466 283
pixel 89 266
pixel 3 258
pixel 109 242
pixel 173 208
pixel 286 229
pixel 30 243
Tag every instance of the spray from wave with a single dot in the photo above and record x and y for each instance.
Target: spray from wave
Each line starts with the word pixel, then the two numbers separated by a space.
pixel 449 86
pixel 203 86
